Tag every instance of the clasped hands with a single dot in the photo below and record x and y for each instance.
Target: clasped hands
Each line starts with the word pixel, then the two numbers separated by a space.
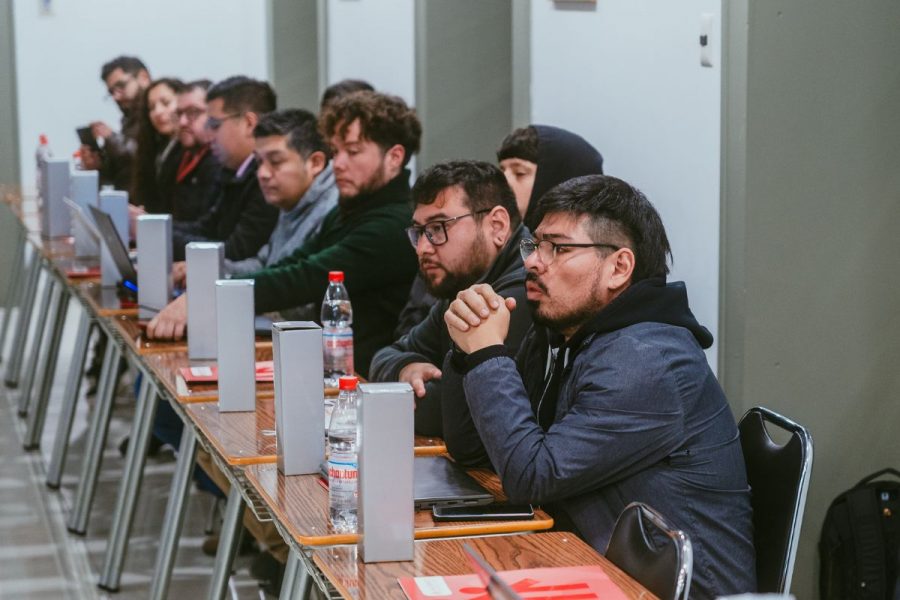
pixel 478 318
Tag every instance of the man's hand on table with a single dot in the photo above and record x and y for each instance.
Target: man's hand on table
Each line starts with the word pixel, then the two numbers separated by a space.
pixel 478 318
pixel 171 321
pixel 417 373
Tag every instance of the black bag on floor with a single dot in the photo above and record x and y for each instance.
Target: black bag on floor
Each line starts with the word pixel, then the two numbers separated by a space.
pixel 858 550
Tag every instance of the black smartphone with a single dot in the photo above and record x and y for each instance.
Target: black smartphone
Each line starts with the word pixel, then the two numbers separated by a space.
pixel 86 137
pixel 484 512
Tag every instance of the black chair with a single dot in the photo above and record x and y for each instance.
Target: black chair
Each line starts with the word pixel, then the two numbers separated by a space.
pixel 652 552
pixel 778 475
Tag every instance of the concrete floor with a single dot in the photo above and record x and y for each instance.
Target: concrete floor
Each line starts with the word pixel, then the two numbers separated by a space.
pixel 40 559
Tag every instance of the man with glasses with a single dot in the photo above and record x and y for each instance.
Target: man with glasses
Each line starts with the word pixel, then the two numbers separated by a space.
pixel 126 77
pixel 372 138
pixel 466 229
pixel 610 399
pixel 240 216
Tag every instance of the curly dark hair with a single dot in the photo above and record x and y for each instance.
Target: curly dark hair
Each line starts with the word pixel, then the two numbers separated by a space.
pixel 150 143
pixel 342 88
pixel 619 214
pixel 383 119
pixel 521 143
pixel 484 185
pixel 129 64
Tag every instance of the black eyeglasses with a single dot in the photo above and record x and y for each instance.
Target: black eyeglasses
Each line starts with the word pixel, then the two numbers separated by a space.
pixel 435 231
pixel 192 113
pixel 212 123
pixel 548 250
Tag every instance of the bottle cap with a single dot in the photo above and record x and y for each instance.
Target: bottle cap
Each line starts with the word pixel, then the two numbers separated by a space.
pixel 348 382
pixel 336 276
pixel 43 139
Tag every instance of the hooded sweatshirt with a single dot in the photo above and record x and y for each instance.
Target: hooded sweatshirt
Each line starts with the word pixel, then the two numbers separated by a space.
pixel 629 411
pixel 562 155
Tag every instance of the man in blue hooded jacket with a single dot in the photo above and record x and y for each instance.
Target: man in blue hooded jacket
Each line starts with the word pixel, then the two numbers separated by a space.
pixel 610 399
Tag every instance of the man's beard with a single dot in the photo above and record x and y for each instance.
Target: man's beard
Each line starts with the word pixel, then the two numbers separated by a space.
pixel 558 323
pixel 474 269
pixel 375 183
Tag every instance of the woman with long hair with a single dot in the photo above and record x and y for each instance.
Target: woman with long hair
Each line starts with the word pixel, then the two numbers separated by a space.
pixel 156 139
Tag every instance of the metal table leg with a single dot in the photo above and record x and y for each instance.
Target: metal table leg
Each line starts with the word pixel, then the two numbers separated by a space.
pixel 175 510
pixel 37 340
pixel 20 336
pixel 96 440
pixel 290 576
pixel 13 292
pixel 130 486
pixel 70 401
pixel 38 406
pixel 302 584
pixel 228 544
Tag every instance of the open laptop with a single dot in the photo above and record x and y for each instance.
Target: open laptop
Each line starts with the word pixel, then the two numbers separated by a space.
pixel 116 247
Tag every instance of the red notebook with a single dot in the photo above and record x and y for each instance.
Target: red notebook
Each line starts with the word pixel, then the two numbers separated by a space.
pixel 265 372
pixel 561 583
pixel 82 272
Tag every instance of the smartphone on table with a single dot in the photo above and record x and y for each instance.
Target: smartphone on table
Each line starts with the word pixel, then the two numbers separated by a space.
pixel 483 512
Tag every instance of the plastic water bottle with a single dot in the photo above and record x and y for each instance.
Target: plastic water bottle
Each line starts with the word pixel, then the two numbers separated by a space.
pixel 41 155
pixel 343 466
pixel 337 335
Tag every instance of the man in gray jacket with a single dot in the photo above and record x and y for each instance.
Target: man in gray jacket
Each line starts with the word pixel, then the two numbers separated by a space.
pixel 465 229
pixel 610 399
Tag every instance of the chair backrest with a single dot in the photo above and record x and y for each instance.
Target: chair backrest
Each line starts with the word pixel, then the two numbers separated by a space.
pixel 651 552
pixel 778 475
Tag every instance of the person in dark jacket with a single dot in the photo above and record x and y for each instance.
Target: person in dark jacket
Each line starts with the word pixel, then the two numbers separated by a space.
pixel 240 218
pixel 372 137
pixel 466 228
pixel 539 157
pixel 610 399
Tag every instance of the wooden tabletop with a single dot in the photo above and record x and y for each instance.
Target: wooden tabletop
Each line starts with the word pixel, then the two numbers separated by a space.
pixel 103 301
pixel 360 581
pixel 300 503
pixel 247 438
pixel 166 367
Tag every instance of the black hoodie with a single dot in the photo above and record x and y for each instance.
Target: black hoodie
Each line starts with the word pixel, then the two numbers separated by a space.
pixel 562 155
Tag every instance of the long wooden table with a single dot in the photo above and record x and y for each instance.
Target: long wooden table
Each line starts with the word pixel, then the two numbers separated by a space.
pixel 357 580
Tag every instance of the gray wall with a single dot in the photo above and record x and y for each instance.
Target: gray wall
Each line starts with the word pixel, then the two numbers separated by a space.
pixel 294 45
pixel 810 236
pixel 463 78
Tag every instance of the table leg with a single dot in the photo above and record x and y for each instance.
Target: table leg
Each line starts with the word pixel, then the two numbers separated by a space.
pixel 96 441
pixel 228 544
pixel 290 576
pixel 175 510
pixel 38 411
pixel 34 350
pixel 70 402
pixel 130 486
pixel 20 336
pixel 13 293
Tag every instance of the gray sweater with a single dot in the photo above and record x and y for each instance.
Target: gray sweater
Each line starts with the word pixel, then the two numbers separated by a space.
pixel 294 226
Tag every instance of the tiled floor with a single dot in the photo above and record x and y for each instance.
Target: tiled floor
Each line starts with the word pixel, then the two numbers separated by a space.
pixel 40 559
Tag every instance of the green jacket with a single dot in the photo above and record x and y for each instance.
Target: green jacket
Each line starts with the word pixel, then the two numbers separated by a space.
pixel 366 240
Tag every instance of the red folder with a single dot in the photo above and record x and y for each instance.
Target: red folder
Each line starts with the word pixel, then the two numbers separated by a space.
pixel 265 372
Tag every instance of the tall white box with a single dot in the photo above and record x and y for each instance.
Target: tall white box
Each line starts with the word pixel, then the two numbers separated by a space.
pixel 205 263
pixel 386 512
pixel 237 352
pixel 154 264
pixel 115 204
pixel 299 397
pixel 55 218
pixel 84 187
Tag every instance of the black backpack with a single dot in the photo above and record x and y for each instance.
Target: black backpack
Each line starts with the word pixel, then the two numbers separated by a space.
pixel 858 550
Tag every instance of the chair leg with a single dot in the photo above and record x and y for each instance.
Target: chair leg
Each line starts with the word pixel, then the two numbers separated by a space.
pixel 70 402
pixel 130 486
pixel 175 511
pixel 13 293
pixel 38 410
pixel 96 441
pixel 291 571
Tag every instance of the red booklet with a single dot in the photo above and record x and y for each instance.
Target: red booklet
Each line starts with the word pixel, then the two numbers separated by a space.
pixel 561 583
pixel 82 272
pixel 265 372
